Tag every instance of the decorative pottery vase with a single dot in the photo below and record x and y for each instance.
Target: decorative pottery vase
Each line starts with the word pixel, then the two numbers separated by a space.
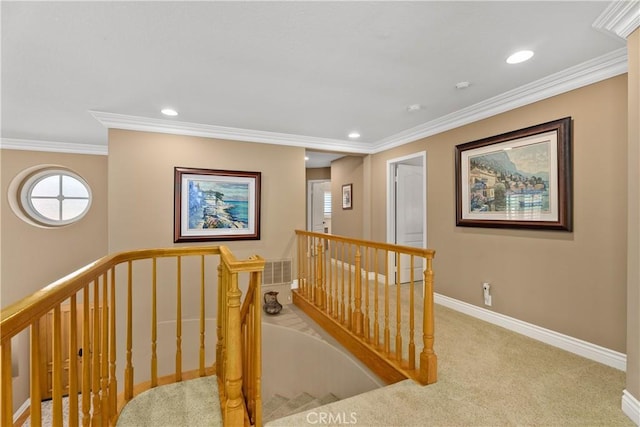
pixel 271 304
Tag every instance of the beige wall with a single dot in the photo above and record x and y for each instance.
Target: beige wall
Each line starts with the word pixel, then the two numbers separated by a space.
pixel 633 255
pixel 141 174
pixel 573 283
pixel 347 222
pixel 318 173
pixel 32 257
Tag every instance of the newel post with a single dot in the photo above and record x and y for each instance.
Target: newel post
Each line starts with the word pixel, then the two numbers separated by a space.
pixel 234 412
pixel 428 359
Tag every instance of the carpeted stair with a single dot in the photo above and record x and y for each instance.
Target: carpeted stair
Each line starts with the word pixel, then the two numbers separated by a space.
pixel 279 406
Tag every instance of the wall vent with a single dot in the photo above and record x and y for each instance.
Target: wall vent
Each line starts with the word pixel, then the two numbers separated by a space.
pixel 277 272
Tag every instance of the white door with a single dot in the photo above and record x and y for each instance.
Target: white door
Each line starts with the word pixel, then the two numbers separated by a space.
pixel 409 216
pixel 407 201
pixel 317 222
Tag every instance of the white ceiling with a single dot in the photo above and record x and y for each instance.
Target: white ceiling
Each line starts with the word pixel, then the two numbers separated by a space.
pixel 298 73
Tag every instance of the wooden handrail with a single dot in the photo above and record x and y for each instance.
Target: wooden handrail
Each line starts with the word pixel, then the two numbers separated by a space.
pixel 98 283
pixel 346 286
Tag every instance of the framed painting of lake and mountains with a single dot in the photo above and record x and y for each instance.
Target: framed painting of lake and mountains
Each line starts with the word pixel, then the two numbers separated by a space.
pixel 216 205
pixel 520 179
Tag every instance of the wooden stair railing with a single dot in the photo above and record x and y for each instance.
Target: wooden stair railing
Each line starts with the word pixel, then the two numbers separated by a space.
pixel 374 298
pixel 104 299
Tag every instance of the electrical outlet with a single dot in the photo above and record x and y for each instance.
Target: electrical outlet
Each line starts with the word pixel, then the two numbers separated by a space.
pixel 486 292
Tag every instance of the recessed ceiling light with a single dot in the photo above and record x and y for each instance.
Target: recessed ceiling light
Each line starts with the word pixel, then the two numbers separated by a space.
pixel 354 135
pixel 520 56
pixel 462 85
pixel 414 107
pixel 169 112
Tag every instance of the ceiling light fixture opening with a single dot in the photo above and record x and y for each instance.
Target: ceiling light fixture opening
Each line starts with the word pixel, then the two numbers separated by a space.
pixel 462 85
pixel 414 107
pixel 354 135
pixel 169 112
pixel 519 57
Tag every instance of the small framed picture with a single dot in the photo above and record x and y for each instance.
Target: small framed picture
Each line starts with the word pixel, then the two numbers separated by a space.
pixel 346 196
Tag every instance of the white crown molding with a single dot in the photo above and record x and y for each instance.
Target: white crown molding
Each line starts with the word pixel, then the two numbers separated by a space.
pixel 589 72
pixel 55 147
pixel 582 348
pixel 631 407
pixel 146 124
pixel 593 71
pixel 620 18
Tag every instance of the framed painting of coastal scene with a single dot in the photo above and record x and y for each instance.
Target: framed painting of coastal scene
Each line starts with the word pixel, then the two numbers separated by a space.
pixel 520 179
pixel 216 205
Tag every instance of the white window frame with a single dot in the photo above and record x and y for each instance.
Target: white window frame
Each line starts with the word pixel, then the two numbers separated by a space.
pixel 25 197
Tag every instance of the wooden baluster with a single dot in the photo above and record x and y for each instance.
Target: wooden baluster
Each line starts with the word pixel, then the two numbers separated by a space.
pixel 319 300
pixel 376 314
pixel 219 314
pixel 113 383
pixel 310 266
pixel 96 412
pixel 154 322
pixel 304 261
pixel 336 282
pixel 387 334
pixel 357 313
pixel 349 289
pixel 234 413
pixel 342 303
pixel 299 259
pixel 179 321
pixel 202 317
pixel 367 332
pixel 128 370
pixel 7 383
pixel 412 344
pixel 310 263
pixel 104 362
pixel 398 307
pixel 35 408
pixel 224 309
pixel 73 363
pixel 329 284
pixel 57 367
pixel 428 360
pixel 86 358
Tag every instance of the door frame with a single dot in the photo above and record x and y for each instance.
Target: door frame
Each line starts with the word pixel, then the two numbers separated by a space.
pixel 418 159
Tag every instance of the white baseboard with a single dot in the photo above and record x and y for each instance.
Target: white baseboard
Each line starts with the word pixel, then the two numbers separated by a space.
pixel 574 345
pixel 631 407
pixel 21 409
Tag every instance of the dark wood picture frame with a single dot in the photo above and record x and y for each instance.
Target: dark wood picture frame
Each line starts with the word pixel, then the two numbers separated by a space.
pixel 519 179
pixel 214 205
pixel 347 196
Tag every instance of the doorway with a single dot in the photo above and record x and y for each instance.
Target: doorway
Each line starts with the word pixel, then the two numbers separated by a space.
pixel 407 210
pixel 319 206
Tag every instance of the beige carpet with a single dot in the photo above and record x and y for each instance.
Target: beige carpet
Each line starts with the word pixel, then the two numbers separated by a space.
pixel 191 403
pixel 487 376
